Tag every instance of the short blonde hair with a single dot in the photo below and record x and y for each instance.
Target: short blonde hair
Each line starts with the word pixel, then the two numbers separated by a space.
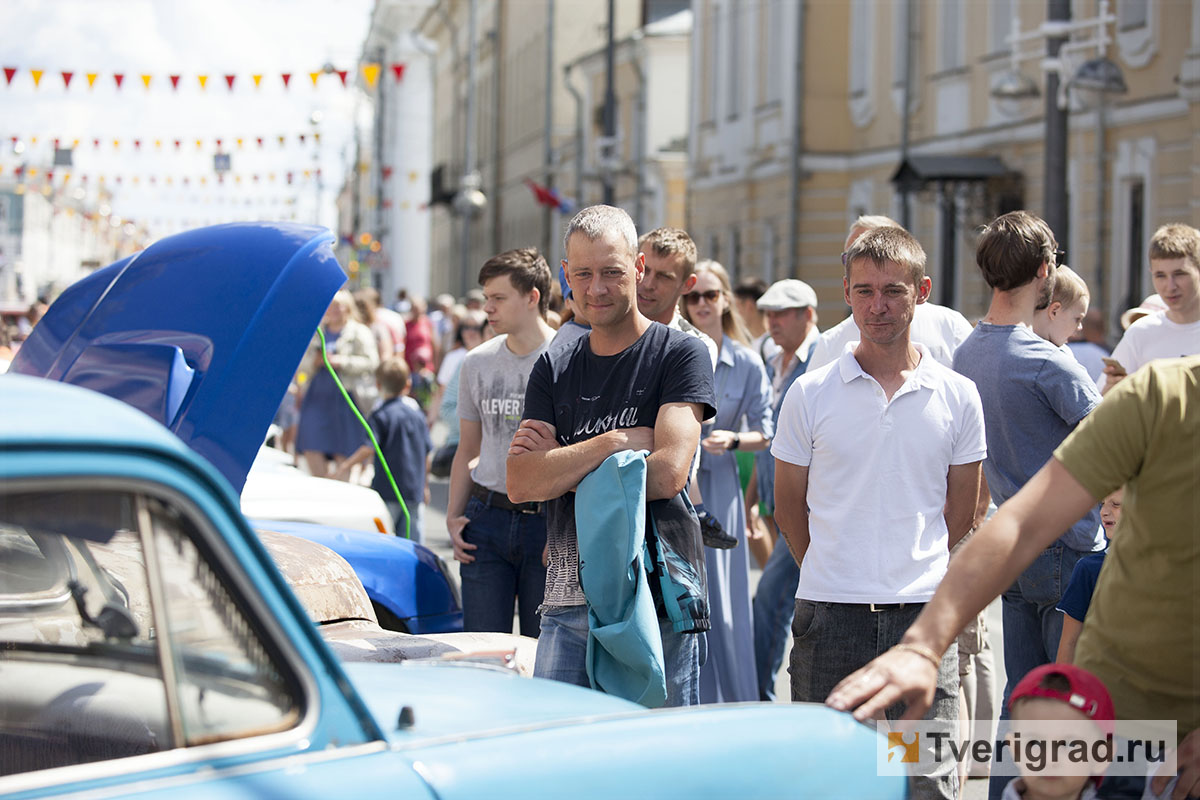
pixel 1176 241
pixel 1069 288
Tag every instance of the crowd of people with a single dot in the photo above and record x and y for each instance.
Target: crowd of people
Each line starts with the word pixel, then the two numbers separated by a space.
pixel 855 466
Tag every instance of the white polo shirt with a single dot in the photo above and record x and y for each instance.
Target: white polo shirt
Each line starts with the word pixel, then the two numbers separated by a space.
pixel 877 476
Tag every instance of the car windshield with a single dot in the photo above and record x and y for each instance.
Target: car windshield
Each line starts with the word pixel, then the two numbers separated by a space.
pixel 90 581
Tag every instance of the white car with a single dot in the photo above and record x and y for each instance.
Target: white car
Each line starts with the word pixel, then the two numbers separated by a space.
pixel 277 490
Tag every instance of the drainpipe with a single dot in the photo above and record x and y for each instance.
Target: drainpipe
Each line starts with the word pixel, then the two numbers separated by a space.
pixel 578 133
pixel 797 146
pixel 906 114
pixel 1101 201
pixel 548 152
pixel 639 133
pixel 470 172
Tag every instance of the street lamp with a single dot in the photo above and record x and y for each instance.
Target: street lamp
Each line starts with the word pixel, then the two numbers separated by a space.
pixel 1066 41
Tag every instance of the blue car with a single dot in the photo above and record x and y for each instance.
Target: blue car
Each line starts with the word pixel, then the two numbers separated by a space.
pixel 203 332
pixel 152 648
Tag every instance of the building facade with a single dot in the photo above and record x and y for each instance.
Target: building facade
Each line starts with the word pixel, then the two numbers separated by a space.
pixel 799 123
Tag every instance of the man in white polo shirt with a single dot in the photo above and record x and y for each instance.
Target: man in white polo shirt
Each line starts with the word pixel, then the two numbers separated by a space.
pixel 877 474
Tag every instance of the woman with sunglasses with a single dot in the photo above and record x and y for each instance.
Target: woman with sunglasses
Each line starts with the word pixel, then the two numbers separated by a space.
pixel 743 422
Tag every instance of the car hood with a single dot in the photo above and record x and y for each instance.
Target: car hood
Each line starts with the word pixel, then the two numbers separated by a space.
pixel 478 732
pixel 202 331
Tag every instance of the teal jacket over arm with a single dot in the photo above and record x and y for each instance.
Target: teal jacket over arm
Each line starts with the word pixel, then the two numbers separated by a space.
pixel 624 648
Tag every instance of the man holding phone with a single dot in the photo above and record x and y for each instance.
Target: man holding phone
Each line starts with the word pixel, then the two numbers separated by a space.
pixel 1175 271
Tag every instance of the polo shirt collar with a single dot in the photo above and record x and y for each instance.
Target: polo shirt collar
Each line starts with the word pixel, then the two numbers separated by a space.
pixel 849 368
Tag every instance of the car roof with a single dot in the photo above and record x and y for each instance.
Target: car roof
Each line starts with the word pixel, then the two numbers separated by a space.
pixel 36 411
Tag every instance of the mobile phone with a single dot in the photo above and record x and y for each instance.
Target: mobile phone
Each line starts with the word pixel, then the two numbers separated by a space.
pixel 1112 362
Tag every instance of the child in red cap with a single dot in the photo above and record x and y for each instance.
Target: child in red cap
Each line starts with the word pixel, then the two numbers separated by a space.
pixel 1050 694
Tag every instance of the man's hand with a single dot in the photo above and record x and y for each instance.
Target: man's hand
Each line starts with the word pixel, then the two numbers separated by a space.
pixel 897 675
pixel 718 442
pixel 532 436
pixel 1187 765
pixel 455 526
pixel 1113 374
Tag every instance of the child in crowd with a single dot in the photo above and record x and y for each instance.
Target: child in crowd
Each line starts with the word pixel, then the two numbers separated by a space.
pixel 1052 693
pixel 1063 315
pixel 399 427
pixel 1078 596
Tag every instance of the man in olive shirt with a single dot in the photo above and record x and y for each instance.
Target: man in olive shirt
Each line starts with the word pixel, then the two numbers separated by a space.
pixel 1142 632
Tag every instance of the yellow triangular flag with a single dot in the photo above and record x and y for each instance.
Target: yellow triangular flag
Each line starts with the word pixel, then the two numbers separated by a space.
pixel 116 143
pixel 91 78
pixel 239 143
pixel 158 144
pixel 37 76
pixel 315 77
pixel 199 143
pixel 257 79
pixel 33 139
pixel 370 73
pixel 146 81
pixel 203 81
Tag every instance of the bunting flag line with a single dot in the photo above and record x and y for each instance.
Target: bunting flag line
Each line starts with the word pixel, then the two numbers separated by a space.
pixel 369 71
pixel 241 139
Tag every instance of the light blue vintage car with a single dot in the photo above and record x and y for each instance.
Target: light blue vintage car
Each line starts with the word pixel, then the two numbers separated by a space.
pixel 150 647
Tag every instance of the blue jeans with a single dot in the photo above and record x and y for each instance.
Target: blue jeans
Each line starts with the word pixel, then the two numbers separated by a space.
pixel 1032 625
pixel 832 640
pixel 562 654
pixel 774 603
pixel 507 568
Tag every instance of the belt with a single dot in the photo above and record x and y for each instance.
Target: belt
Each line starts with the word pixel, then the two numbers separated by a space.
pixel 500 500
pixel 877 607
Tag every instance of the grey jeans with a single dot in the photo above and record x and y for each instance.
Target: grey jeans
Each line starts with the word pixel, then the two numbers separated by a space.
pixel 832 640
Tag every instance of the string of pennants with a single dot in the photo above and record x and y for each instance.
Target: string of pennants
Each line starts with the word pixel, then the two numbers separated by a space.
pixel 370 73
pixel 178 144
pixel 62 177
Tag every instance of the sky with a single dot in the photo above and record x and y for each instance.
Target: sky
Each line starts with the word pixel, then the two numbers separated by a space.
pixel 160 185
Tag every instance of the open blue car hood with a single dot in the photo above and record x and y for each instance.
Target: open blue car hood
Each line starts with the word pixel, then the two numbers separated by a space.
pixel 202 331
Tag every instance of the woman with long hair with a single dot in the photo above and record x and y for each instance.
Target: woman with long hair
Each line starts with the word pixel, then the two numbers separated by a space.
pixel 743 422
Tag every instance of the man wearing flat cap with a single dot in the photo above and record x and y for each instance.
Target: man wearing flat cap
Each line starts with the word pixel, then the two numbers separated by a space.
pixel 791 309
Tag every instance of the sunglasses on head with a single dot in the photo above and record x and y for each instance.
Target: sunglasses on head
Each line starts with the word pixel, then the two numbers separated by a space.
pixel 1060 257
pixel 711 296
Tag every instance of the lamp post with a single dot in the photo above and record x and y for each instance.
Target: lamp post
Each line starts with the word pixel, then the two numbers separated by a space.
pixel 1065 39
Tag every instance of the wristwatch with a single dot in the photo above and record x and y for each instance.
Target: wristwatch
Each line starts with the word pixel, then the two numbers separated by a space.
pixel 736 443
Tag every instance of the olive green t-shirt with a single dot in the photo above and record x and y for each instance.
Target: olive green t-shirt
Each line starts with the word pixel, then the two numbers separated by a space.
pixel 1142 631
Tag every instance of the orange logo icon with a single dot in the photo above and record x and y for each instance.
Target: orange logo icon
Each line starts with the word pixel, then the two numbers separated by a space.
pixel 911 751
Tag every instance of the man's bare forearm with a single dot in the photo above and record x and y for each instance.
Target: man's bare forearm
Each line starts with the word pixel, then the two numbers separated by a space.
pixel 547 474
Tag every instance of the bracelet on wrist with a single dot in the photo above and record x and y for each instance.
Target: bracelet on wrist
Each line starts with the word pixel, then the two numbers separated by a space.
pixel 736 443
pixel 921 650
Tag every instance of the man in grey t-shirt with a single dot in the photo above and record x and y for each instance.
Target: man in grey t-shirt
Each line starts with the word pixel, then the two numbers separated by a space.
pixel 1034 394
pixel 498 542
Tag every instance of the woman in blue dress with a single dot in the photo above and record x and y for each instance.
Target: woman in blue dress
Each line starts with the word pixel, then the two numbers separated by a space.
pixel 328 431
pixel 743 422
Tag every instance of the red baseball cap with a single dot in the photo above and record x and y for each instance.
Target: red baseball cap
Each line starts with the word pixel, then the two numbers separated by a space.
pixel 1087 694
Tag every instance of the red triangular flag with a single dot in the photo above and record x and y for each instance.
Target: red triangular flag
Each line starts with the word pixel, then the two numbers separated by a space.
pixel 287 77
pixel 178 143
pixel 118 77
pixel 137 143
pixel 96 143
pixel 260 141
pixel 174 81
pixel 9 72
pixel 342 73
pixel 398 71
pixel 301 137
pixel 229 81
pixel 49 175
pixel 387 173
pixel 67 79
pixel 218 144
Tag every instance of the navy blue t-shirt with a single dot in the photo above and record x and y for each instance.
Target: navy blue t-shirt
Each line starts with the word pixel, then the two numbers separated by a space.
pixel 1078 596
pixel 404 439
pixel 584 395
